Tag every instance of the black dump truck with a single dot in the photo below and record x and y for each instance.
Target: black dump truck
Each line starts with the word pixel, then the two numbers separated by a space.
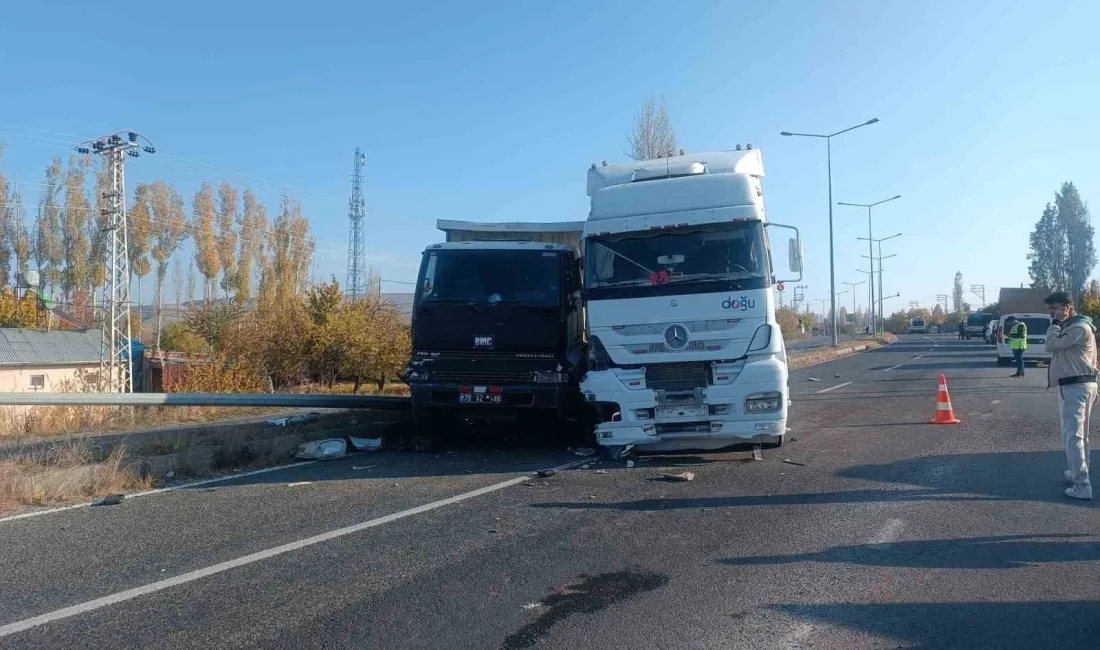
pixel 497 334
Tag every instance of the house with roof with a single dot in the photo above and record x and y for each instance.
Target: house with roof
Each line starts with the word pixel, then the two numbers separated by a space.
pixel 47 361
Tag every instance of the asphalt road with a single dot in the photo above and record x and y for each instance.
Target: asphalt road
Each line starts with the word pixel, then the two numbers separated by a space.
pixel 883 531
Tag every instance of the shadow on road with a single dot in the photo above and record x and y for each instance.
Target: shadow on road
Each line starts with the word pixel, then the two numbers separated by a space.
pixel 1066 625
pixel 1000 552
pixel 1023 476
pixel 767 500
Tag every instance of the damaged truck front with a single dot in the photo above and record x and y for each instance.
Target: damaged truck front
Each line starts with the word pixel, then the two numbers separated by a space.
pixel 684 348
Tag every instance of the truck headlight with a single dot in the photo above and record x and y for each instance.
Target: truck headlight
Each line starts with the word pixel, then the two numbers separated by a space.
pixel 551 377
pixel 763 402
pixel 598 359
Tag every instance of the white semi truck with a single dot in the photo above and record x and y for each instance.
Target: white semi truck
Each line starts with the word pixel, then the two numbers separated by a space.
pixel 684 348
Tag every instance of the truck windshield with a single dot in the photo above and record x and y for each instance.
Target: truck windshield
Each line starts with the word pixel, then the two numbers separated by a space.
pixel 487 276
pixel 978 320
pixel 687 260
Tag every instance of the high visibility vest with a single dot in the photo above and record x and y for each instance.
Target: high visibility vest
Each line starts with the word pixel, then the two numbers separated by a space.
pixel 1017 336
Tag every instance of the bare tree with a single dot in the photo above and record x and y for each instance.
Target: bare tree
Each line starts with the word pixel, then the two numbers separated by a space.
pixel 652 135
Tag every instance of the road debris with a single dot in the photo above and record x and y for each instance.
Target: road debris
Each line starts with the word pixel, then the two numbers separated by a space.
pixel 297 483
pixel 601 471
pixel 366 444
pixel 757 454
pixel 584 451
pixel 838 375
pixel 546 473
pixel 679 478
pixel 629 464
pixel 585 466
pixel 362 467
pixel 793 462
pixel 322 449
pixel 813 379
pixel 303 418
pixel 532 606
pixel 109 500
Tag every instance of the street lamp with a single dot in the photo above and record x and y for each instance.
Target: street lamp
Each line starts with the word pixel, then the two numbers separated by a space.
pixel 852 287
pixel 880 258
pixel 829 164
pixel 870 235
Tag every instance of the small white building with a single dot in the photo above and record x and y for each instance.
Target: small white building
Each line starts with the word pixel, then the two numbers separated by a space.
pixel 40 361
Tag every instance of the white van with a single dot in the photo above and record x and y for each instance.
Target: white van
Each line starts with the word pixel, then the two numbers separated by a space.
pixel 1037 326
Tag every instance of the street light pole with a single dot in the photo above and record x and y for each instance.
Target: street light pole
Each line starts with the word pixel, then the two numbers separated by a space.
pixel 852 287
pixel 881 316
pixel 870 251
pixel 829 166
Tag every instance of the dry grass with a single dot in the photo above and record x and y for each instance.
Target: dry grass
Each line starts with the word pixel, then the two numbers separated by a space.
pixel 66 472
pixel 19 422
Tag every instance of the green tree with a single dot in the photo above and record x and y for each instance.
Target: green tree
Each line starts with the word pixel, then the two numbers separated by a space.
pixel 1047 257
pixel 48 251
pixel 74 235
pixel 1073 212
pixel 7 230
pixel 21 237
pixel 226 236
pixel 169 231
pixel 252 226
pixel 139 234
pixel 957 292
pixel 203 215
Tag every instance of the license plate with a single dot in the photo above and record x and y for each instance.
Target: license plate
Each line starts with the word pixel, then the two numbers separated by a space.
pixel 479 398
pixel 681 411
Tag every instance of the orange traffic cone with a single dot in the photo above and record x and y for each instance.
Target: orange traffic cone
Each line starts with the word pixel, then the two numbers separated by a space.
pixel 944 413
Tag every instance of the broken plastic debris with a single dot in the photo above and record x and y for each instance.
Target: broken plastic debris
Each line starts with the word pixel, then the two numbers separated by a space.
pixel 837 375
pixel 366 444
pixel 680 478
pixel 362 467
pixel 757 454
pixel 793 462
pixel 296 484
pixel 546 473
pixel 601 471
pixel 109 500
pixel 583 451
pixel 322 449
pixel 585 466
pixel 629 464
pixel 532 605
pixel 813 379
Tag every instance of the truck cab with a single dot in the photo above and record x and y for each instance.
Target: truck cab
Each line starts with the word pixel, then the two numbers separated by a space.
pixel 975 325
pixel 496 334
pixel 917 325
pixel 684 348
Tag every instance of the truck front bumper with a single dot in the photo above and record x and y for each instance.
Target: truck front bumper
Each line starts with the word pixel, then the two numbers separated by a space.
pixel 716 418
pixel 512 398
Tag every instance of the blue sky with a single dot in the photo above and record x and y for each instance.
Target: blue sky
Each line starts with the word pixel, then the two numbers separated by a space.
pixel 493 112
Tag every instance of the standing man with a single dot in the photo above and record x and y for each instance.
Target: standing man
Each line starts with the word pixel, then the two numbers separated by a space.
pixel 1071 342
pixel 1017 342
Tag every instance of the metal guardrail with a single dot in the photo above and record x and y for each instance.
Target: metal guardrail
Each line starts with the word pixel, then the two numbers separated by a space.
pixel 277 400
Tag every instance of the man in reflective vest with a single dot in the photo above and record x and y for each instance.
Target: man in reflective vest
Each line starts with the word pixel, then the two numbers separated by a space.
pixel 1017 342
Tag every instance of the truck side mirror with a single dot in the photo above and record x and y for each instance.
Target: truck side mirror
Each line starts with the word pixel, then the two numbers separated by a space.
pixel 795 253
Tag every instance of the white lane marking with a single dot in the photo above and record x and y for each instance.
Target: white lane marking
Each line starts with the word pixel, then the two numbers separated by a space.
pixel 891 368
pixel 181 486
pixel 889 532
pixel 826 390
pixel 198 574
pixel 919 356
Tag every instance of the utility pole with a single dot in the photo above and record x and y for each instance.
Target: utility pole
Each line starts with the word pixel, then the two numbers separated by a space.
pixel 913 304
pixel 979 291
pixel 852 287
pixel 357 252
pixel 799 298
pixel 116 351
pixel 943 297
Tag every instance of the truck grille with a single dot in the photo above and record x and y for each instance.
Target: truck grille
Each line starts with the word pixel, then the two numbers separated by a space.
pixel 482 378
pixel 676 376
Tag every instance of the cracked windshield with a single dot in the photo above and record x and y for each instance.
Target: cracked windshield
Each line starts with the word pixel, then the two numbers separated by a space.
pixel 616 324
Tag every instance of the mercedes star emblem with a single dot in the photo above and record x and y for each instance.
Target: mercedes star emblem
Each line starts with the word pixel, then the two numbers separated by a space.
pixel 676 336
